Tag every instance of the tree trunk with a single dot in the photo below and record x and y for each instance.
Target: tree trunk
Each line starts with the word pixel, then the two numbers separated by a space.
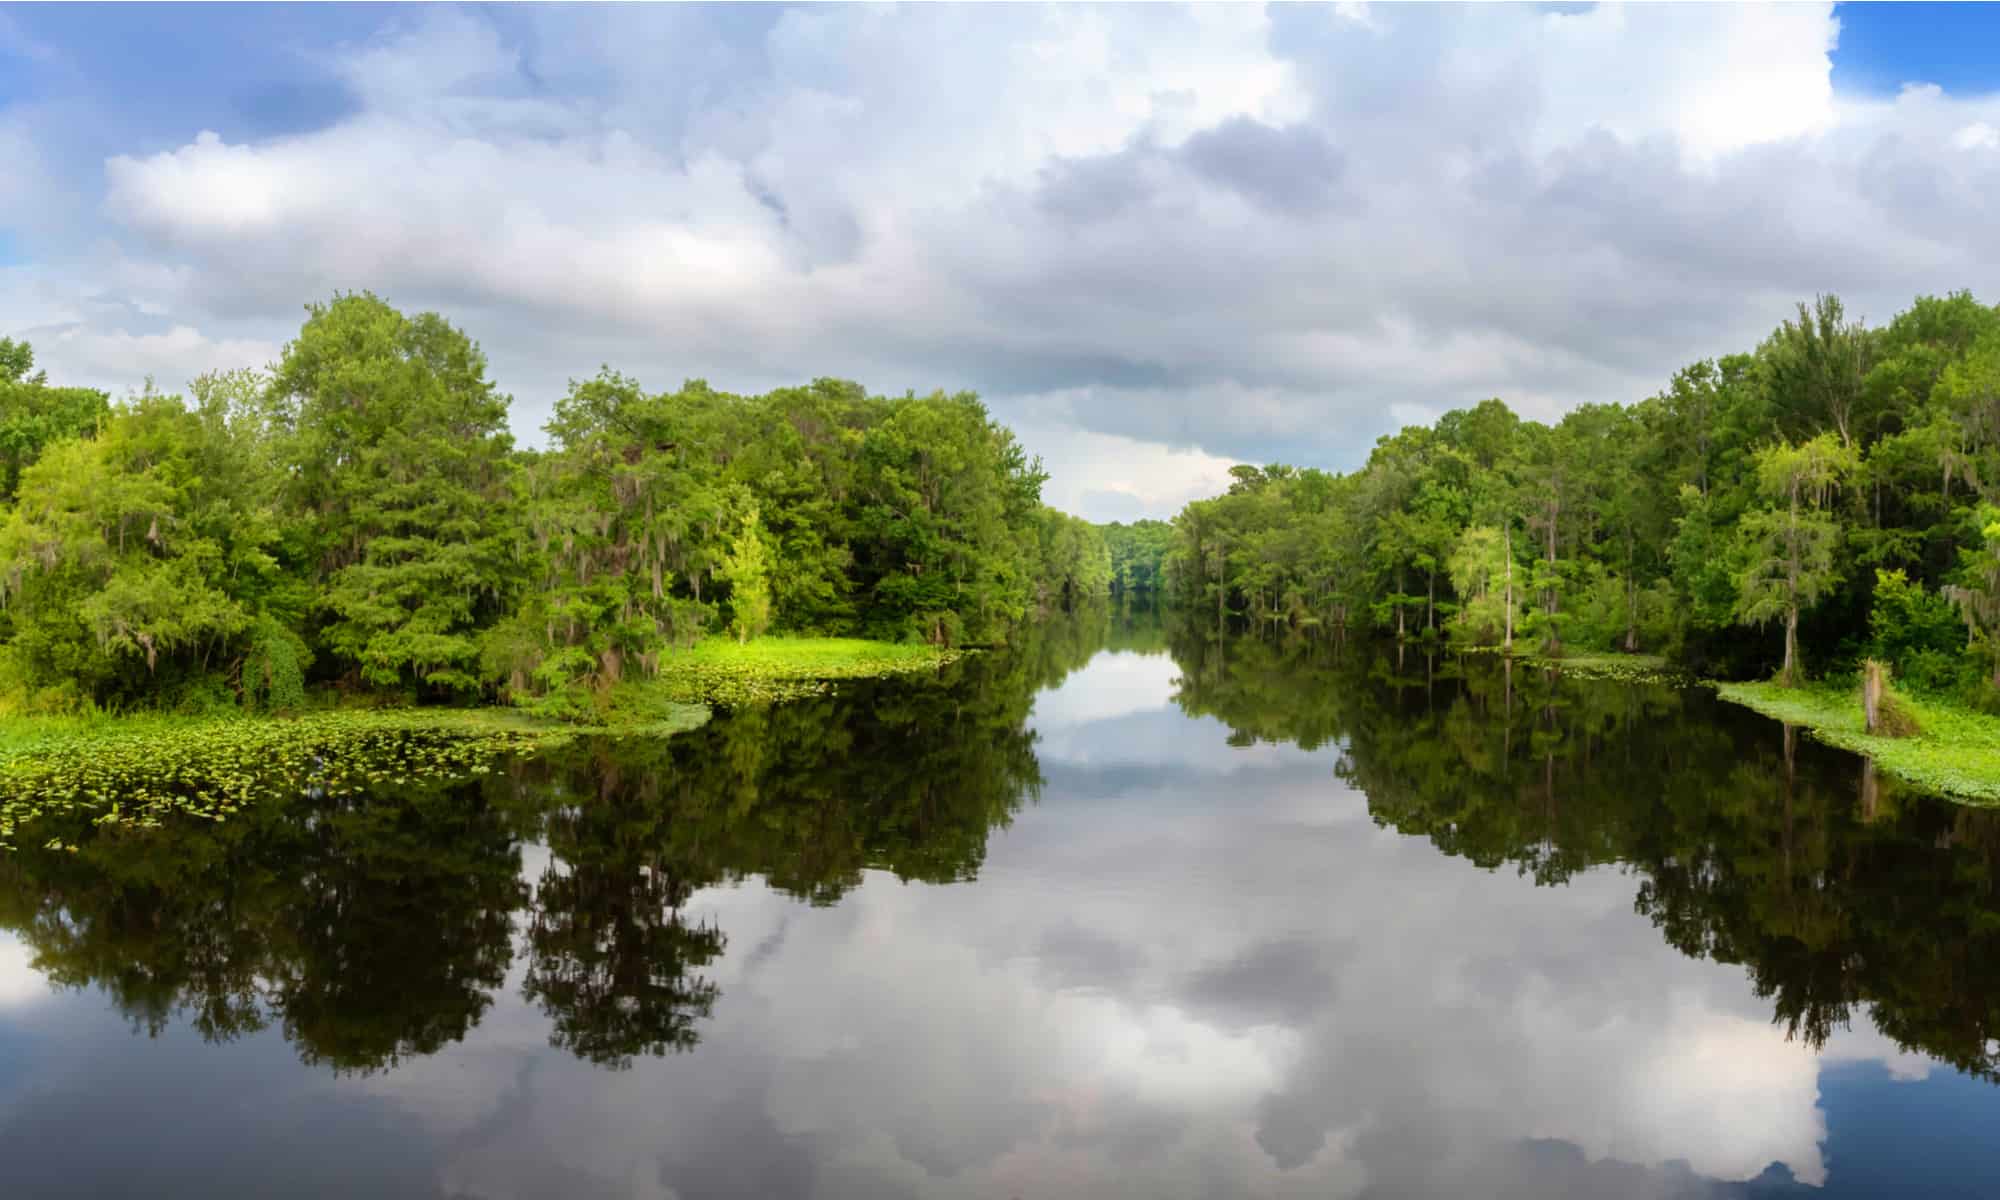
pixel 1871 696
pixel 1555 595
pixel 1631 614
pixel 1789 675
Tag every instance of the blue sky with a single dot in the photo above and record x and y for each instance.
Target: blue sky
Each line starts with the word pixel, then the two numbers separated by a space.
pixel 1159 239
pixel 1883 46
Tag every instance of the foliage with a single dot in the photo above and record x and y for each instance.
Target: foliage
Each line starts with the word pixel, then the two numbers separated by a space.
pixel 1789 545
pixel 1976 595
pixel 1762 488
pixel 362 519
pixel 746 569
pixel 138 561
pixel 1915 630
pixel 392 449
pixel 1138 555
pixel 35 416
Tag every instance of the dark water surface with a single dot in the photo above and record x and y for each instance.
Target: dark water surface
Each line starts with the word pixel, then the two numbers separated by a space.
pixel 1101 917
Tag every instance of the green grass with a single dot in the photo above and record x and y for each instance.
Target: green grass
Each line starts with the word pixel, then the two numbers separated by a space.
pixel 723 671
pixel 1956 752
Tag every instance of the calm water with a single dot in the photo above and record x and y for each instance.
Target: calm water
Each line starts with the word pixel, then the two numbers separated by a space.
pixel 1103 917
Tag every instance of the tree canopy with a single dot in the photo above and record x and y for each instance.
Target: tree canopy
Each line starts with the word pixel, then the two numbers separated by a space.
pixel 1768 488
pixel 360 516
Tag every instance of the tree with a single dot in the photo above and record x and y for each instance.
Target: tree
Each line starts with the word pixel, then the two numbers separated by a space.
pixel 1791 548
pixel 1482 573
pixel 1977 594
pixel 746 570
pixel 1817 368
pixel 399 478
pixel 35 416
pixel 139 561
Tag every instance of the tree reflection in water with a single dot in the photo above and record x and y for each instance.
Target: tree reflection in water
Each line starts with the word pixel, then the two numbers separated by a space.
pixel 379 927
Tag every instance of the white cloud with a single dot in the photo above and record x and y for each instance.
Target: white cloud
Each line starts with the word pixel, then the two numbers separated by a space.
pixel 1170 238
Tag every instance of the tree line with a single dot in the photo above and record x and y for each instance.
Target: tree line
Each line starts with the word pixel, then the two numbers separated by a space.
pixel 359 515
pixel 1834 487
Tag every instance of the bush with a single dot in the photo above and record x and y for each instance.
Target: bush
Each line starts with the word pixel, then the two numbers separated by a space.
pixel 274 676
pixel 1919 632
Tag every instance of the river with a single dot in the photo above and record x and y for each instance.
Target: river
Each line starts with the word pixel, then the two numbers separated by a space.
pixel 1124 912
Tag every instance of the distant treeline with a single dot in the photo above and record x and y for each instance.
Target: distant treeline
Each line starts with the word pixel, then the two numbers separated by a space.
pixel 359 515
pixel 1834 487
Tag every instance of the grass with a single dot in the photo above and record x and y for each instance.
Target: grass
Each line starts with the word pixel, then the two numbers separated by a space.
pixel 725 672
pixel 1956 752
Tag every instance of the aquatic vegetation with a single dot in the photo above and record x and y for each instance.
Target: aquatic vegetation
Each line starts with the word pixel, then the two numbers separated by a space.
pixel 726 672
pixel 60 775
pixel 1956 753
pixel 139 771
pixel 1619 668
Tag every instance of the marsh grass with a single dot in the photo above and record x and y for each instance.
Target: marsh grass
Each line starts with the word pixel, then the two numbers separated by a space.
pixel 1956 752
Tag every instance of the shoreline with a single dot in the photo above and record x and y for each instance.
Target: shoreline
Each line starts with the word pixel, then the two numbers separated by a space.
pixel 1956 754
pixel 134 769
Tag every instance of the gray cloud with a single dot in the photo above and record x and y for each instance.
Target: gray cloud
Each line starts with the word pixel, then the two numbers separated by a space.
pixel 1257 235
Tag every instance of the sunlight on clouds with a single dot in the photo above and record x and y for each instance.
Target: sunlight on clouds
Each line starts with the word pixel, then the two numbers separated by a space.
pixel 1176 237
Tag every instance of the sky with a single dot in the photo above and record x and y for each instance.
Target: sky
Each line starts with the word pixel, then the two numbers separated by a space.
pixel 1158 240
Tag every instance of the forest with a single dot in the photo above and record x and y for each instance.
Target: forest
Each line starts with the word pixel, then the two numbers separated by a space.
pixel 1824 498
pixel 358 517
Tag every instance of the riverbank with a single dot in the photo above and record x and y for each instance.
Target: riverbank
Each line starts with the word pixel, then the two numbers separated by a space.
pixel 135 769
pixel 1956 752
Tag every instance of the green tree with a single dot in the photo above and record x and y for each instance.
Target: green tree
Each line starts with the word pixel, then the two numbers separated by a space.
pixel 35 416
pixel 398 475
pixel 1482 573
pixel 139 563
pixel 746 569
pixel 1790 545
pixel 1977 593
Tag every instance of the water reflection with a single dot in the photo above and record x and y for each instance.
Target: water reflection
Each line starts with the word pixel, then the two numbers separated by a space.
pixel 374 927
pixel 1202 919
pixel 1839 890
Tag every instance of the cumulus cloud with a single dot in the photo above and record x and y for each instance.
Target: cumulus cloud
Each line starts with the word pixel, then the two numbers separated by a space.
pixel 1228 233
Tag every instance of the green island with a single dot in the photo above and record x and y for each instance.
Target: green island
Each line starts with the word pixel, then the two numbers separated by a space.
pixel 355 528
